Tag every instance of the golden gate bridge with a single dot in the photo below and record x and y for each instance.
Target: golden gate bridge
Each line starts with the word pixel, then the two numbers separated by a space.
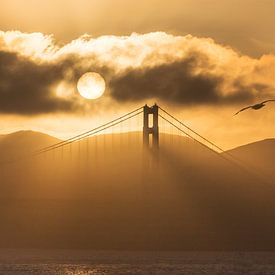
pixel 150 132
pixel 143 133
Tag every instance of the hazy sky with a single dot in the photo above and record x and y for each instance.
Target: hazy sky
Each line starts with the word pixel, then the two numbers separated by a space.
pixel 247 25
pixel 204 59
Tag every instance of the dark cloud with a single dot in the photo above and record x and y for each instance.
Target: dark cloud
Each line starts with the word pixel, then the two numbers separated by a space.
pixel 25 86
pixel 176 82
pixel 28 87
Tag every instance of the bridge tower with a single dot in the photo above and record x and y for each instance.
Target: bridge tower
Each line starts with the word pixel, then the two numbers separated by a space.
pixel 151 128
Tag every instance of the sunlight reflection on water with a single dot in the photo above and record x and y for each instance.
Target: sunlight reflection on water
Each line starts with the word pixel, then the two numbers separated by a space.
pixel 91 262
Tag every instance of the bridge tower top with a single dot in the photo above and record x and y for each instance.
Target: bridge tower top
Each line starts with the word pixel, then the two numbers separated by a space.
pixel 151 127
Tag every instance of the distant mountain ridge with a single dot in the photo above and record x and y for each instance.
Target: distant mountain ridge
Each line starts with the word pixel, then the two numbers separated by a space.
pixel 259 155
pixel 22 142
pixel 28 134
pixel 265 143
pixel 45 138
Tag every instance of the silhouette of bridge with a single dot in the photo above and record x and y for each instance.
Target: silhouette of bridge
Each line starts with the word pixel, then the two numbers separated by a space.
pixel 151 125
pixel 146 133
pixel 151 130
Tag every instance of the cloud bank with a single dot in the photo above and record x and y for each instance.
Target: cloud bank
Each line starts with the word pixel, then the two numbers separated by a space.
pixel 37 75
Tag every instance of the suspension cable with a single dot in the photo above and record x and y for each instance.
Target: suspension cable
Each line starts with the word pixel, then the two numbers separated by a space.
pixel 171 123
pixel 196 133
pixel 233 160
pixel 88 132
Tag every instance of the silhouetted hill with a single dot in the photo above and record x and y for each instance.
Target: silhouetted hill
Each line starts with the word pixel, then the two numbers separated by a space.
pixel 20 143
pixel 107 192
pixel 258 155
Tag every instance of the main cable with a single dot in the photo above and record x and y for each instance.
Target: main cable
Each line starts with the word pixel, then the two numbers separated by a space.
pixel 196 133
pixel 88 134
pixel 85 133
pixel 171 123
pixel 233 161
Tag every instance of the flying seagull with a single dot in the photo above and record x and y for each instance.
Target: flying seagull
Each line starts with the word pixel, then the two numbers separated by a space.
pixel 256 106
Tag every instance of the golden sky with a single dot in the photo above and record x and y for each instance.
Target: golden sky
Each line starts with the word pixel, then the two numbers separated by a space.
pixel 246 25
pixel 203 60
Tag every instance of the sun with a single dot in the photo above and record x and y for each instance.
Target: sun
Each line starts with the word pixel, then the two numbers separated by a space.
pixel 91 85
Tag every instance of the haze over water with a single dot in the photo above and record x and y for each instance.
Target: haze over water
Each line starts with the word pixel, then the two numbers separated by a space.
pixel 80 262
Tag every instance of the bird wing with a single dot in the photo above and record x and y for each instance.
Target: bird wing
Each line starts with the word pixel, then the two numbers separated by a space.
pixel 268 101
pixel 245 108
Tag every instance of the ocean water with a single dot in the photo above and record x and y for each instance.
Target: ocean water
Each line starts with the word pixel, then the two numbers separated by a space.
pixel 80 262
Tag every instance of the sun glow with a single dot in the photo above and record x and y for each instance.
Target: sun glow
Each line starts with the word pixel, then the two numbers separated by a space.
pixel 91 85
